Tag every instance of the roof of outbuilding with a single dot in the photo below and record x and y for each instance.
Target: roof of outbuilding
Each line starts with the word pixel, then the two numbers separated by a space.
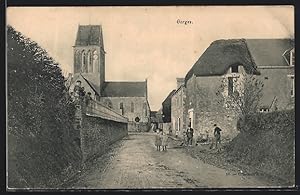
pixel 125 89
pixel 89 79
pixel 250 53
pixel 268 52
pixel 93 82
pixel 89 35
pixel 168 98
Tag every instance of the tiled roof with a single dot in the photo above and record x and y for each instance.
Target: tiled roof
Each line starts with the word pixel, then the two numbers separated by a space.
pixel 125 89
pixel 93 82
pixel 168 98
pixel 250 53
pixel 90 79
pixel 268 52
pixel 89 35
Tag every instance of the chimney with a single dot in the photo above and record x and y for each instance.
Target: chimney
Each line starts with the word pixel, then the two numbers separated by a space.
pixel 180 81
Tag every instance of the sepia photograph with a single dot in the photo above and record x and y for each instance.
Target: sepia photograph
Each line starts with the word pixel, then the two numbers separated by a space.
pixel 150 97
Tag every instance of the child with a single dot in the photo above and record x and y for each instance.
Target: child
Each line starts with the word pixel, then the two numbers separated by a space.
pixel 165 141
pixel 158 140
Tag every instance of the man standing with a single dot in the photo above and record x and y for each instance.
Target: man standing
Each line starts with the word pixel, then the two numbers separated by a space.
pixel 217 135
pixel 190 133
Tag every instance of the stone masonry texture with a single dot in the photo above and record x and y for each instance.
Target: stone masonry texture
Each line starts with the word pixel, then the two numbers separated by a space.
pixel 97 134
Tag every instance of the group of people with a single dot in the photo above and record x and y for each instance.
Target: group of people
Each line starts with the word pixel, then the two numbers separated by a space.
pixel 161 140
pixel 80 94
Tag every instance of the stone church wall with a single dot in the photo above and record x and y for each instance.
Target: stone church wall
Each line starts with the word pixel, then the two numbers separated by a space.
pixel 140 110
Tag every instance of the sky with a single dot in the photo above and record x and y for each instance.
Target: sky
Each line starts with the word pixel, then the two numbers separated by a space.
pixel 148 42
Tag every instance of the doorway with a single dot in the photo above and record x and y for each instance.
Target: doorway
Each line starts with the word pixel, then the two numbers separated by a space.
pixel 191 118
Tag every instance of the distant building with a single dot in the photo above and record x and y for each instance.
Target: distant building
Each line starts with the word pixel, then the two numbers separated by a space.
pixel 159 117
pixel 127 98
pixel 271 60
pixel 166 108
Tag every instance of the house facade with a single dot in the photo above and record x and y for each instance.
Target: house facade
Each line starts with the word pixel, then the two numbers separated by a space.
pixel 178 108
pixel 223 64
pixel 166 108
pixel 127 98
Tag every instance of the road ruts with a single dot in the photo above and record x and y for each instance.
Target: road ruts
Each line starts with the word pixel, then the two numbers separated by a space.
pixel 135 163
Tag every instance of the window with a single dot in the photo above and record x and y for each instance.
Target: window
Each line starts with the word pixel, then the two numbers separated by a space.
pixel 89 61
pixel 264 110
pixel 132 107
pixel 292 57
pixel 84 61
pixel 77 61
pixel 191 118
pixel 122 108
pixel 230 85
pixel 292 86
pixel 235 69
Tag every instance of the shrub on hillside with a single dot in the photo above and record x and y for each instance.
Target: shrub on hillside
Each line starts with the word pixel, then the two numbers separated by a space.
pixel 40 116
pixel 267 142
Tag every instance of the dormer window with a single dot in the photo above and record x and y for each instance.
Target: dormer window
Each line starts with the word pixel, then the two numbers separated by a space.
pixel 292 57
pixel 234 69
pixel 292 85
pixel 122 108
pixel 264 110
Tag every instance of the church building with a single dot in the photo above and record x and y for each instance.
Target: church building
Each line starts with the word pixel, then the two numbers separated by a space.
pixel 129 99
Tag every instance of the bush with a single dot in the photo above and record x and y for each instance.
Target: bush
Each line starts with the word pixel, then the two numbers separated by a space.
pixel 40 116
pixel 267 142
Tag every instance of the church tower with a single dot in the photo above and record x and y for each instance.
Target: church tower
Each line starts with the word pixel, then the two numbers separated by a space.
pixel 89 55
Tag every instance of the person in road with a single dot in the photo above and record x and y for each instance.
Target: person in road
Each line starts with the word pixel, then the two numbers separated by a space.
pixel 158 139
pixel 190 134
pixel 217 137
pixel 164 144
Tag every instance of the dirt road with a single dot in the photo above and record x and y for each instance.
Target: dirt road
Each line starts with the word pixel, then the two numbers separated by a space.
pixel 135 163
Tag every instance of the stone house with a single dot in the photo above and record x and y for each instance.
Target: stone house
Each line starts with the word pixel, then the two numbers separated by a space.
pixel 178 109
pixel 226 61
pixel 166 107
pixel 166 113
pixel 127 98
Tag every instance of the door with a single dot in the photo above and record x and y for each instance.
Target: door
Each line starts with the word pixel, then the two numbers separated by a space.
pixel 191 118
pixel 178 123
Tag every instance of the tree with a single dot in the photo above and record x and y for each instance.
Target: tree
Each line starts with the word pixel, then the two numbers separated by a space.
pixel 245 97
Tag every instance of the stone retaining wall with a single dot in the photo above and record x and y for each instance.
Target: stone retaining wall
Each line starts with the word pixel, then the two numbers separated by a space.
pixel 97 134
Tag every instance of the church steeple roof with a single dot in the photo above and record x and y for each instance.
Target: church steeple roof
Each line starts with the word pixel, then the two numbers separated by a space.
pixel 89 35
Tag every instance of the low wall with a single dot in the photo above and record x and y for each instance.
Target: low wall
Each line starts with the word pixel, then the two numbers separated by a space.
pixel 97 134
pixel 138 127
pixel 95 108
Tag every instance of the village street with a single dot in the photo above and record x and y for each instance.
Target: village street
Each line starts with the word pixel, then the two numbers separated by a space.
pixel 134 163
